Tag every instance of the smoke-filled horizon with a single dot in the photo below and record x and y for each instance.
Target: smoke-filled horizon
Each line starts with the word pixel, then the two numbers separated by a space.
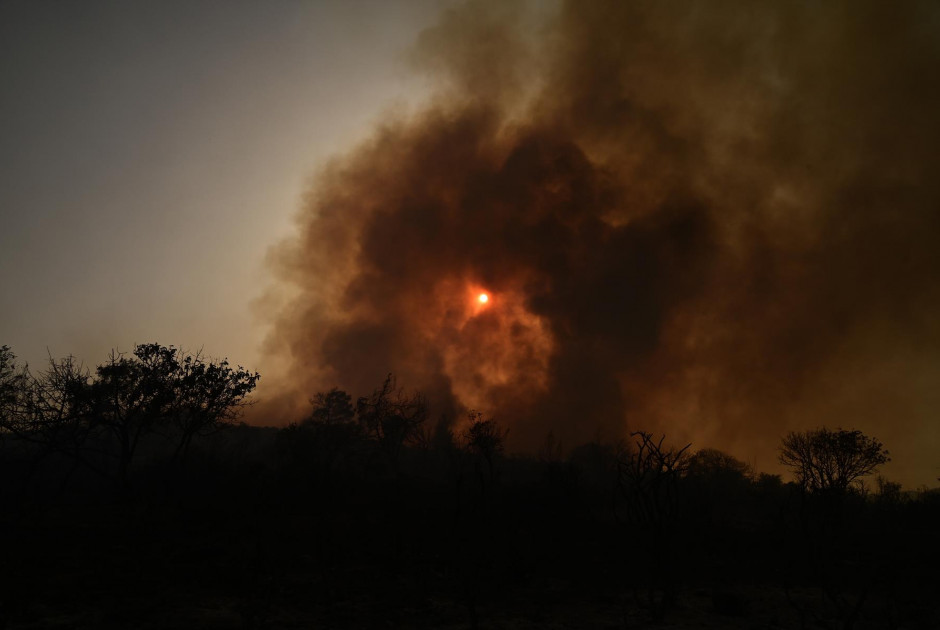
pixel 718 221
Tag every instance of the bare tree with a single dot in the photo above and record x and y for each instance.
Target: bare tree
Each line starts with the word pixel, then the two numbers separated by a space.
pixel 51 410
pixel 392 418
pixel 830 461
pixel 648 477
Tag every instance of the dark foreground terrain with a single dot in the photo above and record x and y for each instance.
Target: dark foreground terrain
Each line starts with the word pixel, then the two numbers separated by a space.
pixel 307 527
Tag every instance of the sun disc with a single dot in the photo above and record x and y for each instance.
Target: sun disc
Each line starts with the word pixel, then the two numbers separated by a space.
pixel 483 298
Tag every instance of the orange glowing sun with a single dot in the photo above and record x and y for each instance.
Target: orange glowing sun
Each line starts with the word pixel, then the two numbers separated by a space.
pixel 483 298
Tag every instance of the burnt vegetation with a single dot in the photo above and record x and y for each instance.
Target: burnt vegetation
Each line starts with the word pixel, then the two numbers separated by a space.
pixel 133 497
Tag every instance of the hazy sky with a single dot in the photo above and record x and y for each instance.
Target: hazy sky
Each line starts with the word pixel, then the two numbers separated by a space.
pixel 151 152
pixel 717 220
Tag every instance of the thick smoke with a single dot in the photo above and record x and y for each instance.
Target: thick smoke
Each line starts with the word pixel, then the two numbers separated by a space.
pixel 719 220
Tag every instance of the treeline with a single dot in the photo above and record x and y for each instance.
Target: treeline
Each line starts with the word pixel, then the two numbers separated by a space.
pixel 132 507
pixel 100 419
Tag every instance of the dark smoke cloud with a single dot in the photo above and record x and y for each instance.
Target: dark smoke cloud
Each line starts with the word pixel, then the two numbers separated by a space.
pixel 720 220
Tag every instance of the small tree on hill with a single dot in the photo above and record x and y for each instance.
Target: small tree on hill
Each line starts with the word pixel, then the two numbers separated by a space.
pixel 830 461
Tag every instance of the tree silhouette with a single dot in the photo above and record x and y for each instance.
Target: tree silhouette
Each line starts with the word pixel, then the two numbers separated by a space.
pixel 207 395
pixel 391 417
pixel 50 410
pixel 832 544
pixel 484 439
pixel 716 464
pixel 159 388
pixel 333 407
pixel 830 461
pixel 648 476
pixel 129 396
pixel 13 386
pixel 99 421
pixel 331 430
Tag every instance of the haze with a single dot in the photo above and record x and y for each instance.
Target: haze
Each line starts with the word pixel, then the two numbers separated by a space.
pixel 150 153
pixel 717 221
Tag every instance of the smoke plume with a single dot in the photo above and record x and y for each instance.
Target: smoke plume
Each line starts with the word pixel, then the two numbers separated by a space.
pixel 719 220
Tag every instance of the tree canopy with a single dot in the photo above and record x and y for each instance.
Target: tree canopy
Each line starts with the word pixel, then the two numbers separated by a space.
pixel 99 419
pixel 825 460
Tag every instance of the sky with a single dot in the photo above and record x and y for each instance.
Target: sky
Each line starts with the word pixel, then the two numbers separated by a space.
pixel 151 153
pixel 718 221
